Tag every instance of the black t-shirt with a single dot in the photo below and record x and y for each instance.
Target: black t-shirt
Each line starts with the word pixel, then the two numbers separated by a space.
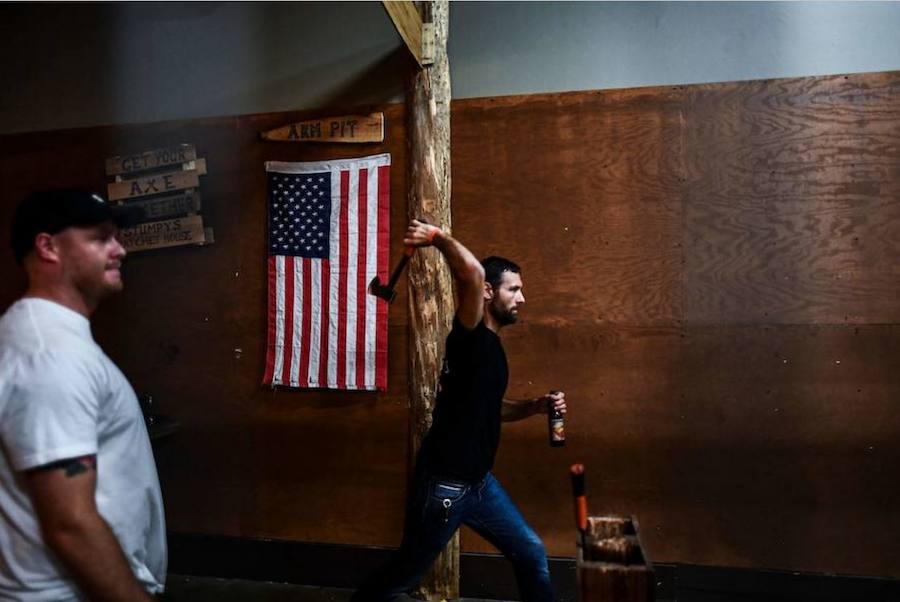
pixel 465 430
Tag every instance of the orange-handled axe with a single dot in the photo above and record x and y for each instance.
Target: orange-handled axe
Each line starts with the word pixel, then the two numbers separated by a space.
pixel 578 494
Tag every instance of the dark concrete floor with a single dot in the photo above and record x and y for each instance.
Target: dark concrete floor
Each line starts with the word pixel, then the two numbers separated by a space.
pixel 181 588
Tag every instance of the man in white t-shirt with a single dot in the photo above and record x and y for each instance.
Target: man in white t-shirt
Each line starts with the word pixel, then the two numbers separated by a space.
pixel 81 515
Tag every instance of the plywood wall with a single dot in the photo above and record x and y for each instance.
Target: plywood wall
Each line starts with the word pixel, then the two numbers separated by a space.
pixel 710 273
pixel 190 329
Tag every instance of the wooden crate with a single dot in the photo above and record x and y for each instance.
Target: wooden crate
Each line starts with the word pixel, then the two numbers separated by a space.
pixel 611 563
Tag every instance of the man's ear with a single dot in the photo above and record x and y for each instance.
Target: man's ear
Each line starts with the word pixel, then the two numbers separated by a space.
pixel 488 291
pixel 45 247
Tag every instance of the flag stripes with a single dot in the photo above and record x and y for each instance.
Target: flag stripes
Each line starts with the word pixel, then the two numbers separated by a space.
pixel 324 329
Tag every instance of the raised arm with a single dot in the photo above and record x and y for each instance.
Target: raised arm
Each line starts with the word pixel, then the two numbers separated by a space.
pixel 466 269
pixel 63 497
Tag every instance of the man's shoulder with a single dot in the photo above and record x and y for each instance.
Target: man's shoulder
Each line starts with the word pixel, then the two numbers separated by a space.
pixel 32 326
pixel 32 349
pixel 21 329
pixel 14 321
pixel 33 382
pixel 20 340
pixel 47 371
pixel 459 327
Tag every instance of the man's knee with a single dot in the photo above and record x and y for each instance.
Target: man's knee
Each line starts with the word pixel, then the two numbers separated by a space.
pixel 531 552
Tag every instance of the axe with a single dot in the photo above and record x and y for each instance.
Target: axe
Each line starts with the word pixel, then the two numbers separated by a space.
pixel 577 474
pixel 387 292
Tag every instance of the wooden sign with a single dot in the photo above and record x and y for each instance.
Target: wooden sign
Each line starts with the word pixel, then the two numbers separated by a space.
pixel 153 159
pixel 197 164
pixel 169 233
pixel 157 208
pixel 165 184
pixel 157 183
pixel 345 128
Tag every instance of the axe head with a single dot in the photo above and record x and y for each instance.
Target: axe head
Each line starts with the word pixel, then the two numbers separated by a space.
pixel 381 290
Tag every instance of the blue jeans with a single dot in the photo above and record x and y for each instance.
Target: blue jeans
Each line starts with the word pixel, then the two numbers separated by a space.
pixel 435 510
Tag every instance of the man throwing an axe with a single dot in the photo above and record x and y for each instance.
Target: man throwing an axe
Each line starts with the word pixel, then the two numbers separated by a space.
pixel 453 484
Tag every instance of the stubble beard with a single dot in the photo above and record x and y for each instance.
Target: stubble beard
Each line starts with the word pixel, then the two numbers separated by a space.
pixel 96 288
pixel 505 317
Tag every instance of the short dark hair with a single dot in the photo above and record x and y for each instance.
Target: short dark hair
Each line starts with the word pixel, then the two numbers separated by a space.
pixel 495 266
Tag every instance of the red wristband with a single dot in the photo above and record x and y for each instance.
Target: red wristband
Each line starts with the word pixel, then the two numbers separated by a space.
pixel 433 235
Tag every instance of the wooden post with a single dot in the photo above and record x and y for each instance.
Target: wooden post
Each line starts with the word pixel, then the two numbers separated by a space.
pixel 431 304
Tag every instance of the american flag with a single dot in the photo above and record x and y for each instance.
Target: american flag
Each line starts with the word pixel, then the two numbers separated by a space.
pixel 328 237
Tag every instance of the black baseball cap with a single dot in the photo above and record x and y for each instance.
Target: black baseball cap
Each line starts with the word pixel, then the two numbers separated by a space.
pixel 53 211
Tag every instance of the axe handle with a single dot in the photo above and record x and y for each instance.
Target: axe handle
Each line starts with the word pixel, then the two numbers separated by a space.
pixel 407 253
pixel 578 493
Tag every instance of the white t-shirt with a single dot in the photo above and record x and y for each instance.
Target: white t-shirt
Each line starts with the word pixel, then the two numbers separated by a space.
pixel 62 397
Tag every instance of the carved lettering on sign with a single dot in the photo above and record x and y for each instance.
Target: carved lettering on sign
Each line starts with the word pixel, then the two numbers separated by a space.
pixel 156 208
pixel 153 184
pixel 168 233
pixel 346 128
pixel 151 159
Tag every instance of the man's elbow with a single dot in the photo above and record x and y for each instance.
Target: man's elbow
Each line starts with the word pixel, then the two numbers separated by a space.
pixel 62 533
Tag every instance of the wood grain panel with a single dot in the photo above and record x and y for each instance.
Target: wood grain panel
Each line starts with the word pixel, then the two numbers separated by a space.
pixel 710 274
pixel 743 446
pixel 792 211
pixel 799 438
pixel 190 327
pixel 583 192
pixel 623 390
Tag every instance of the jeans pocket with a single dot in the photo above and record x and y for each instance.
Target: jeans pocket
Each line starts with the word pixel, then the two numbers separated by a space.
pixel 445 490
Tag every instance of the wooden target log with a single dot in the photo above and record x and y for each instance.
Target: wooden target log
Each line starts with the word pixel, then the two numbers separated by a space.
pixel 611 564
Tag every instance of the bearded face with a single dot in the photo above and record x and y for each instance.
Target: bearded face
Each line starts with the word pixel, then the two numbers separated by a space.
pixel 506 299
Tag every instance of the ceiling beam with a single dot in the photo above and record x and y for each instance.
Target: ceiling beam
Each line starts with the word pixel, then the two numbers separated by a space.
pixel 419 36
